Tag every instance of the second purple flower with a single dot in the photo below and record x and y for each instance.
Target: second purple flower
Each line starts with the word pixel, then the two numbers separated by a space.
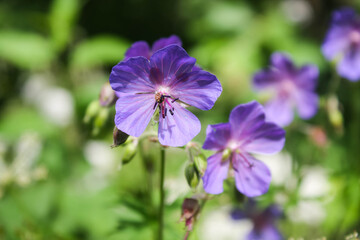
pixel 246 132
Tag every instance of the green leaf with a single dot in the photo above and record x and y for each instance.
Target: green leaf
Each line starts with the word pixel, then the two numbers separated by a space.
pixel 98 51
pixel 62 19
pixel 26 50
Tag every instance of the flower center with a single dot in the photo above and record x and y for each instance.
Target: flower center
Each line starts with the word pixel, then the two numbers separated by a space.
pixel 164 101
pixel 286 88
pixel 355 37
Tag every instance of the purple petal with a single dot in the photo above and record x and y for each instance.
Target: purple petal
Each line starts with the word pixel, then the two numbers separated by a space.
pixel 215 174
pixel 265 78
pixel 199 89
pixel 133 113
pixel 267 139
pixel 196 68
pixel 164 42
pixel 217 136
pixel 246 118
pixel 307 77
pixel 252 177
pixel 336 42
pixel 131 76
pixel 171 61
pixel 307 104
pixel 280 111
pixel 267 232
pixel 178 129
pixel 138 49
pixel 282 62
pixel 349 67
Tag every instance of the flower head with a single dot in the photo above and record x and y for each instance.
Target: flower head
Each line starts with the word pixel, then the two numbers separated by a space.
pixel 263 220
pixel 291 87
pixel 165 82
pixel 343 43
pixel 246 132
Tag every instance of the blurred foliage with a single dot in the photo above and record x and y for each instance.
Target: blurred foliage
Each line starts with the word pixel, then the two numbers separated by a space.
pixel 67 47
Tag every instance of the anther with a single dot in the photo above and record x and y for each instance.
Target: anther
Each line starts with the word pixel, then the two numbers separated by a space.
pixel 171 112
pixel 155 105
pixel 165 111
pixel 174 100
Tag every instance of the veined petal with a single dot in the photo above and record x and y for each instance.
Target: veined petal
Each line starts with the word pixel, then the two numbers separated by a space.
pixel 215 174
pixel 178 129
pixel 164 42
pixel 217 136
pixel 171 61
pixel 307 103
pixel 246 118
pixel 198 88
pixel 131 76
pixel 279 111
pixel 133 113
pixel 267 139
pixel 252 177
pixel 140 48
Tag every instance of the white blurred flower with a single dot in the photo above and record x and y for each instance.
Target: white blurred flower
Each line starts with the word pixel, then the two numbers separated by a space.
pixel 100 156
pixel 315 183
pixel 311 212
pixel 55 103
pixel 176 188
pixel 27 152
pixel 280 166
pixel 297 11
pixel 218 224
pixel 103 160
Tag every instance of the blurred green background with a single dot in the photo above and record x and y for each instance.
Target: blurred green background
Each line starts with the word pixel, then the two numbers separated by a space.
pixel 59 178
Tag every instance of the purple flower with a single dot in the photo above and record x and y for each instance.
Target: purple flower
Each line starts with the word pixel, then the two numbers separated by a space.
pixel 343 43
pixel 247 132
pixel 165 82
pixel 263 220
pixel 290 87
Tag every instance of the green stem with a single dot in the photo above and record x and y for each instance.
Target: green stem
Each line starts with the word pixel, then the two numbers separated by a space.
pixel 162 193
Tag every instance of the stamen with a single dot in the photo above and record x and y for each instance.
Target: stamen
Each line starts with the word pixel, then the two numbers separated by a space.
pixel 174 100
pixel 171 112
pixel 165 111
pixel 155 105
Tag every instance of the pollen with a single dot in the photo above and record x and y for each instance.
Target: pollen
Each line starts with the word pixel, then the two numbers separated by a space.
pixel 159 97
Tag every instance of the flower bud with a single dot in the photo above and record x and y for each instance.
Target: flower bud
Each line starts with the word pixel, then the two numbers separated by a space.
pixel 100 120
pixel 107 96
pixel 130 151
pixel 200 163
pixel 91 111
pixel 191 175
pixel 189 210
pixel 335 116
pixel 119 137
